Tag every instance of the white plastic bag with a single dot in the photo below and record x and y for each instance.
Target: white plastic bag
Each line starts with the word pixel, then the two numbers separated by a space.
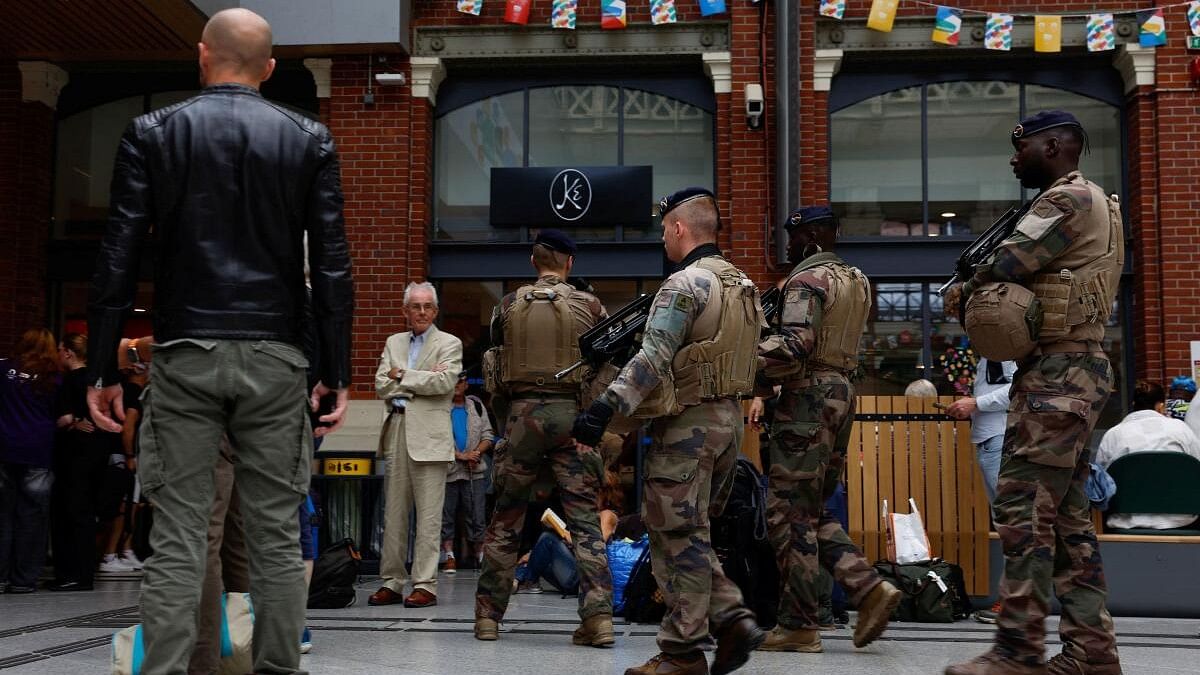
pixel 907 541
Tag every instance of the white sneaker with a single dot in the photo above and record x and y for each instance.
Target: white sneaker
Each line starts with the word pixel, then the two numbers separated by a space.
pixel 114 566
pixel 131 560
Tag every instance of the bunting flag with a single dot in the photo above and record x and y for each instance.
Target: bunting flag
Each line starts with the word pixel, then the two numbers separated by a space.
pixel 517 11
pixel 948 26
pixel 1101 35
pixel 997 34
pixel 1193 15
pixel 1047 33
pixel 883 15
pixel 1153 26
pixel 710 7
pixel 836 9
pixel 470 6
pixel 562 14
pixel 613 16
pixel 662 11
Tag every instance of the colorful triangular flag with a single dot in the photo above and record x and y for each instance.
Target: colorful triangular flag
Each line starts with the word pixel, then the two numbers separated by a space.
pixel 517 11
pixel 1047 33
pixel 613 15
pixel 1193 15
pixel 662 11
pixel 883 15
pixel 997 32
pixel 1101 35
pixel 1153 28
pixel 470 6
pixel 948 26
pixel 834 9
pixel 562 14
pixel 710 7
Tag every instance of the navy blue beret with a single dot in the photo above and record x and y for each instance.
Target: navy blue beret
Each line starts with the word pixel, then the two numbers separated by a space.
pixel 676 199
pixel 1047 119
pixel 810 214
pixel 556 240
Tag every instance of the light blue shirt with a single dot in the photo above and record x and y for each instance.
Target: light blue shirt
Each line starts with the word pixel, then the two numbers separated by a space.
pixel 415 343
pixel 991 402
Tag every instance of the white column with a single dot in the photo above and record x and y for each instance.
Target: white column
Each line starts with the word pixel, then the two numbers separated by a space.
pixel 826 63
pixel 41 82
pixel 1136 64
pixel 320 69
pixel 719 67
pixel 427 73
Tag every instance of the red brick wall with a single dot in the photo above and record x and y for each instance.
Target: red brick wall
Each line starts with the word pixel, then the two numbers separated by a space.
pixel 26 139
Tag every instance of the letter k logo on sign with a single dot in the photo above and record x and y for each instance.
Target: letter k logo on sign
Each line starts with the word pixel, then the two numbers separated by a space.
pixel 570 194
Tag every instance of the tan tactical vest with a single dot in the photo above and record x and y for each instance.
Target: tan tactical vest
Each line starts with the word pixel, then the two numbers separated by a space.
pixel 843 315
pixel 1077 297
pixel 540 339
pixel 721 358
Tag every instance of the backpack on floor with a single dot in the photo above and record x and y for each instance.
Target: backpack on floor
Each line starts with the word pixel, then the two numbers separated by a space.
pixel 237 632
pixel 334 574
pixel 643 599
pixel 739 537
pixel 934 591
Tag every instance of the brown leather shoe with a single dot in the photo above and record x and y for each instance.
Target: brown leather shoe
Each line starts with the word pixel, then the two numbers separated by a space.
pixel 486 629
pixel 782 639
pixel 420 598
pixel 735 641
pixel 450 566
pixel 1068 665
pixel 874 613
pixel 385 596
pixel 992 663
pixel 693 663
pixel 595 631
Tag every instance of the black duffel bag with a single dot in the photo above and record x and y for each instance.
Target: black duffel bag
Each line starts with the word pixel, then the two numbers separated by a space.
pixel 934 590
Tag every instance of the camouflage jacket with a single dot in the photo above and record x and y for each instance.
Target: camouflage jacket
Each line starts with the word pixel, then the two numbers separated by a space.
pixel 680 299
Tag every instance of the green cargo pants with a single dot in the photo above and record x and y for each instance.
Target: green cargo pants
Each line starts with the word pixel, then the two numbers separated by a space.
pixel 253 390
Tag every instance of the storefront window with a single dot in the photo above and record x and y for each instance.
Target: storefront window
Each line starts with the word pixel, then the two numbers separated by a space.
pixel 87 144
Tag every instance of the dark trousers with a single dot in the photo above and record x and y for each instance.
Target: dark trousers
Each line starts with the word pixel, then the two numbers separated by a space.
pixel 24 520
pixel 79 476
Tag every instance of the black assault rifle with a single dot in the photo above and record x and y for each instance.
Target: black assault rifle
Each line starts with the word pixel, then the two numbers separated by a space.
pixel 613 339
pixel 981 248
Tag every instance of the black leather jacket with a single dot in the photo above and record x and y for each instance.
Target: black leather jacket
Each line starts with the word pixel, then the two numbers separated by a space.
pixel 227 183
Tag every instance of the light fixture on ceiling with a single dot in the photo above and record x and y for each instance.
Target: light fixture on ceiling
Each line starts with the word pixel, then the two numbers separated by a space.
pixel 949 214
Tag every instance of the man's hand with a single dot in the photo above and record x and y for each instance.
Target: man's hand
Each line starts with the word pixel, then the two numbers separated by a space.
pixel 337 417
pixel 83 425
pixel 590 424
pixel 101 402
pixel 962 408
pixel 441 367
pixel 757 408
pixel 393 373
pixel 952 301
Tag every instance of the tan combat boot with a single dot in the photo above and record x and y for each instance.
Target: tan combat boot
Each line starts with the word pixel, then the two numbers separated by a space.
pixel 992 663
pixel 486 629
pixel 874 612
pixel 595 631
pixel 672 664
pixel 1068 665
pixel 782 639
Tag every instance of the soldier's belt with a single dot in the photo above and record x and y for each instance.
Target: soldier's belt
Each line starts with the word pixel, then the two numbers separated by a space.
pixel 1068 347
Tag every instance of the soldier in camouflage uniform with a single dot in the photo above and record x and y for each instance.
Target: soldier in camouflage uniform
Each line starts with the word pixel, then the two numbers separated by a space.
pixel 824 313
pixel 1068 250
pixel 699 338
pixel 538 433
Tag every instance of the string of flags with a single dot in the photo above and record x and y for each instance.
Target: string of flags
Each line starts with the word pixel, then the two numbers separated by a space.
pixel 614 15
pixel 998 29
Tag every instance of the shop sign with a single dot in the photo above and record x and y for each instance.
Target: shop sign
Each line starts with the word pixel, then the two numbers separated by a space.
pixel 566 196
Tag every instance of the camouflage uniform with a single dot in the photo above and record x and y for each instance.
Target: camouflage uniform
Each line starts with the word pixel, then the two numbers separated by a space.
pixel 1041 511
pixel 688 471
pixel 809 437
pixel 538 432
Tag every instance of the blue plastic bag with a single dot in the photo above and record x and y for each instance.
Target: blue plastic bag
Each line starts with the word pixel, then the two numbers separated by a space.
pixel 622 556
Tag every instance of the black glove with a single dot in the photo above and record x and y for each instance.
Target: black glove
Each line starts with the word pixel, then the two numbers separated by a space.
pixel 589 424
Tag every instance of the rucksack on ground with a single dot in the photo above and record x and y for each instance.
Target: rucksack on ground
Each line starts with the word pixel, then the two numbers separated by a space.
pixel 739 537
pixel 334 574
pixel 934 591
pixel 644 601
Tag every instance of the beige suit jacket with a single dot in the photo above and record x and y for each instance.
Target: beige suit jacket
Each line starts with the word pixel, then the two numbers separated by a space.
pixel 427 431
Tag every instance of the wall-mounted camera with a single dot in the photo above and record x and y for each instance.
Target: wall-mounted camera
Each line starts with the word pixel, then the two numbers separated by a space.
pixel 754 105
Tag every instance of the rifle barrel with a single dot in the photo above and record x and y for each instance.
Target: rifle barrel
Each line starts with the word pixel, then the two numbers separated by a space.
pixel 569 369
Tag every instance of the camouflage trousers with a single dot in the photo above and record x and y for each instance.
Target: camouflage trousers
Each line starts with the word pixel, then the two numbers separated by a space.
pixel 1042 513
pixel 809 436
pixel 687 476
pixel 539 433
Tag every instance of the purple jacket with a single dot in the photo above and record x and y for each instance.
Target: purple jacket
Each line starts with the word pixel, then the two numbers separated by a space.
pixel 26 417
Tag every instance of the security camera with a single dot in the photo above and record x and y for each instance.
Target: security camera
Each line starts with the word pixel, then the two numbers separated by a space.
pixel 754 105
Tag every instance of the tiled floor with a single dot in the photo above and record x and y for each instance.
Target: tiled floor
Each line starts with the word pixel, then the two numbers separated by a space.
pixel 68 633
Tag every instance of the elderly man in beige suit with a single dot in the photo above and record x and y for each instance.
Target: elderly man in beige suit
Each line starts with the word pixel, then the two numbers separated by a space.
pixel 416 376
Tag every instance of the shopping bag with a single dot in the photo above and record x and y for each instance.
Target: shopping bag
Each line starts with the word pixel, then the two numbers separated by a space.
pixel 906 539
pixel 237 630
